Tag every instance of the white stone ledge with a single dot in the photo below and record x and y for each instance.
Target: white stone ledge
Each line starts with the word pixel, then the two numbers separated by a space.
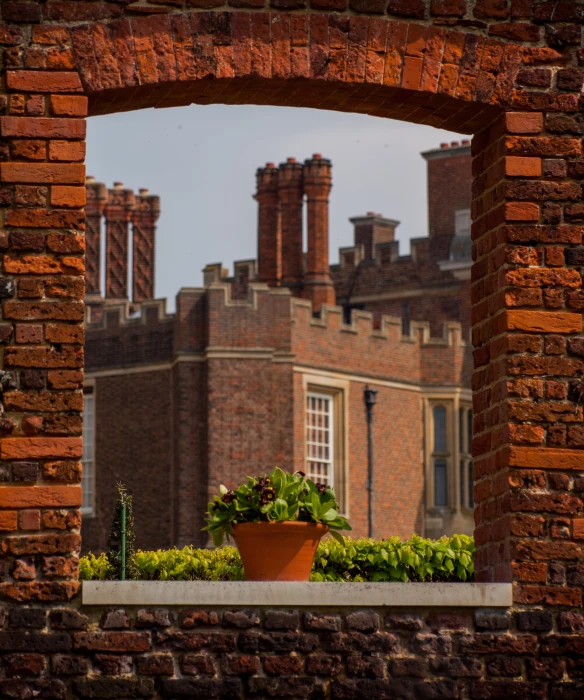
pixel 297 594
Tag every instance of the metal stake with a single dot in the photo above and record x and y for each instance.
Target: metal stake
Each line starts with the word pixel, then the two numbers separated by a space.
pixel 123 567
pixel 370 397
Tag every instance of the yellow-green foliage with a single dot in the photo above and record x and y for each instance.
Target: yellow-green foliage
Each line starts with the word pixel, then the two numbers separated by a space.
pixel 92 568
pixel 418 559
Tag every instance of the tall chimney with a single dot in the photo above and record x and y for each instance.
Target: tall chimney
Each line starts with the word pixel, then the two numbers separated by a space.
pixel 269 233
pixel 144 219
pixel 291 194
pixel 96 201
pixel 449 193
pixel 371 230
pixel 118 213
pixel 318 286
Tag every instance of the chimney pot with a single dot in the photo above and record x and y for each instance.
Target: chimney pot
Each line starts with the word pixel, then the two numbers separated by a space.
pixel 370 213
pixel 290 160
pixel 144 191
pixel 317 156
pixel 89 179
pixel 118 185
pixel 270 165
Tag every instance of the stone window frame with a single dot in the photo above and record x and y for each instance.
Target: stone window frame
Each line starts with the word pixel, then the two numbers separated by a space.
pixel 338 389
pixel 465 489
pixel 89 389
pixel 453 401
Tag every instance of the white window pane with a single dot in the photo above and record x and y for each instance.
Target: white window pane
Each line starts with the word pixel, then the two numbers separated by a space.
pixel 319 438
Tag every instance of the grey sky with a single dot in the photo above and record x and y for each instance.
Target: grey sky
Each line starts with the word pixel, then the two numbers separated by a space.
pixel 201 160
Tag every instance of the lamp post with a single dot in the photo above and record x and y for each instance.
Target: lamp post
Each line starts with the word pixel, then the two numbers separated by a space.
pixel 370 398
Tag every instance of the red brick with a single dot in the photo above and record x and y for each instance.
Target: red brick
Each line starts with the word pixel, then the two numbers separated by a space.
pixel 546 458
pixel 39 448
pixel 516 166
pixel 68 196
pixel 69 173
pixel 42 128
pixel 29 519
pixel 524 122
pixel 521 211
pixel 544 321
pixel 8 520
pixel 67 151
pixel 42 81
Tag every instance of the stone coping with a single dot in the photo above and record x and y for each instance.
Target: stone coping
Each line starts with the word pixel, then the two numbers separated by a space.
pixel 297 594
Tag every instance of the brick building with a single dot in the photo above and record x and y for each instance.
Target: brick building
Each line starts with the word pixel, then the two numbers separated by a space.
pixel 269 366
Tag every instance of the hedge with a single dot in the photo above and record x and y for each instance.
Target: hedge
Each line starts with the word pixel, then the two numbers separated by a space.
pixel 418 559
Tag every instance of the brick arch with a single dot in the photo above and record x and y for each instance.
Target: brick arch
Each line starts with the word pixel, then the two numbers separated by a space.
pixel 65 60
pixel 399 70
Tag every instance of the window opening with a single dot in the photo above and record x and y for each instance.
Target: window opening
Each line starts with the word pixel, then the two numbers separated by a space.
pixel 88 458
pixel 440 457
pixel 319 438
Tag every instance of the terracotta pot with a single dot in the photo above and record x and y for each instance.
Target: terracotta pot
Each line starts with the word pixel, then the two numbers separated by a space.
pixel 278 551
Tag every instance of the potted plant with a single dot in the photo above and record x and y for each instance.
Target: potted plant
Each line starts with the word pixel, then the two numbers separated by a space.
pixel 277 522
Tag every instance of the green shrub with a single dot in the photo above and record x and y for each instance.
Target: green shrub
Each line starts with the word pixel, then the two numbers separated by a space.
pixel 92 568
pixel 418 559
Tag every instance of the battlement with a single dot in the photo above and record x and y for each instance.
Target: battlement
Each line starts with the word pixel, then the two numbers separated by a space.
pixel 390 328
pixel 332 317
pixel 125 313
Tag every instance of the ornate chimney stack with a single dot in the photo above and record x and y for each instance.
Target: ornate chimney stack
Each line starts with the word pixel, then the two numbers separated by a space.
pixel 118 213
pixel 96 202
pixel 371 230
pixel 291 194
pixel 144 218
pixel 269 233
pixel 318 286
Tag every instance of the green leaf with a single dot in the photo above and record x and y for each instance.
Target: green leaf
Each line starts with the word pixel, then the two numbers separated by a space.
pixel 339 538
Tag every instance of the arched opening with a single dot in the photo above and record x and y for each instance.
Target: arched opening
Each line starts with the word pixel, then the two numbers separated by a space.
pixel 408 71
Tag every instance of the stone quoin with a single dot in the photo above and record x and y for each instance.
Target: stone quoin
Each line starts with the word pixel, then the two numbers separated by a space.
pixel 509 72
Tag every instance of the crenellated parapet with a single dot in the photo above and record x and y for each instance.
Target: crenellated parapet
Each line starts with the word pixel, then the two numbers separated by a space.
pixel 383 350
pixel 125 313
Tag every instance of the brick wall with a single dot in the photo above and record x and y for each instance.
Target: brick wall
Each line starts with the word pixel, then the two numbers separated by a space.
pixel 508 73
pixel 407 654
pixel 226 402
pixel 133 445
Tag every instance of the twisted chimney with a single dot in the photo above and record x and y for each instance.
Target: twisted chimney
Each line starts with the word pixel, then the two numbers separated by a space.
pixel 144 218
pixel 118 212
pixel 96 202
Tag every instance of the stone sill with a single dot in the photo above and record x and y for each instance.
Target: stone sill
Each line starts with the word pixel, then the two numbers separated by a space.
pixel 297 594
